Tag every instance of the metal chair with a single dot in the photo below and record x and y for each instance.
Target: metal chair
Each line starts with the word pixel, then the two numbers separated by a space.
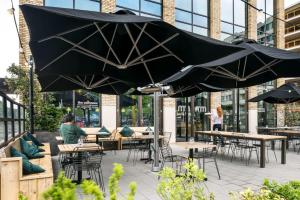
pixel 136 146
pixel 207 155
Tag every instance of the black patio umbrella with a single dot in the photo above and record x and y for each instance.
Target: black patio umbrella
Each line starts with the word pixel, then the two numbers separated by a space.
pixel 95 83
pixel 192 90
pixel 131 48
pixel 254 65
pixel 287 93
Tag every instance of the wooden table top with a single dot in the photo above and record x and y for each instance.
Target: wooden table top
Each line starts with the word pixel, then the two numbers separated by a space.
pixel 247 136
pixel 144 137
pixel 85 147
pixel 195 145
pixel 292 132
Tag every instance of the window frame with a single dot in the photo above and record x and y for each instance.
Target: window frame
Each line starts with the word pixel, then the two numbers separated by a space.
pixel 140 12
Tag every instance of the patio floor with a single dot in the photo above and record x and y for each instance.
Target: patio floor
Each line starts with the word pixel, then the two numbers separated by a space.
pixel 235 176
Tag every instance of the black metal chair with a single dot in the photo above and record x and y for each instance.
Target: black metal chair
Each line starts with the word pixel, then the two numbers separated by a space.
pixel 207 155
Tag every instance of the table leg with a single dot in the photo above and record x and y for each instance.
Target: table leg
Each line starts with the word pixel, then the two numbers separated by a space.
pixel 283 151
pixel 97 139
pixel 262 154
pixel 79 172
pixel 273 145
pixel 191 153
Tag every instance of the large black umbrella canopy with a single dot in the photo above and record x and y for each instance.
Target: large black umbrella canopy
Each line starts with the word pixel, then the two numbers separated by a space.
pixel 254 65
pixel 95 83
pixel 125 46
pixel 287 93
pixel 192 90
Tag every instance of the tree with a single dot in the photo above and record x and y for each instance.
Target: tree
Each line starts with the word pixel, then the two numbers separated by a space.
pixel 47 116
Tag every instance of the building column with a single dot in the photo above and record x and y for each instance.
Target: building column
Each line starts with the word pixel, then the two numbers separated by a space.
pixel 109 111
pixel 279 42
pixel 24 33
pixel 169 104
pixel 108 6
pixel 252 91
pixel 215 32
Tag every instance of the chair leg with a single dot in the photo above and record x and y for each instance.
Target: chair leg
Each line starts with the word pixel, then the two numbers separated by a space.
pixel 275 155
pixel 128 155
pixel 216 164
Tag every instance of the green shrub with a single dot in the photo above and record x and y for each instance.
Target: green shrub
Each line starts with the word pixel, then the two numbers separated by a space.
pixel 185 186
pixel 287 191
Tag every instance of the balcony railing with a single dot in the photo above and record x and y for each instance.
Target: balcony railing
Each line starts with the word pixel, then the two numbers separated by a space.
pixel 12 119
pixel 292 29
pixel 292 43
pixel 292 14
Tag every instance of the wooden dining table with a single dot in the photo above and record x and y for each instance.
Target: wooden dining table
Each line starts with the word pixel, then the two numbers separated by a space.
pixel 253 137
pixel 79 148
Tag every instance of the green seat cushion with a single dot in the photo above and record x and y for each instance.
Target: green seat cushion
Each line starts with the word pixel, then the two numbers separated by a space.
pixel 104 132
pixel 28 167
pixel 15 153
pixel 126 131
pixel 29 150
pixel 34 140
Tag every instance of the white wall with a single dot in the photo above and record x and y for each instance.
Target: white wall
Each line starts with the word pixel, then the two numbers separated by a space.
pixel 169 121
pixel 253 123
pixel 109 117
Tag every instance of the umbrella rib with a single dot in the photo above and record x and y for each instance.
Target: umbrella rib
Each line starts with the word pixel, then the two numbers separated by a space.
pixel 111 42
pixel 52 83
pixel 136 42
pixel 65 32
pixel 106 84
pixel 153 48
pixel 149 60
pixel 88 51
pixel 139 53
pixel 245 63
pixel 71 80
pixel 92 79
pixel 163 46
pixel 259 59
pixel 100 81
pixel 81 81
pixel 267 66
pixel 108 44
pixel 72 48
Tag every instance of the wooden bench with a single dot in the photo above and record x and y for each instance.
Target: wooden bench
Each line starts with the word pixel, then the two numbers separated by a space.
pixel 14 182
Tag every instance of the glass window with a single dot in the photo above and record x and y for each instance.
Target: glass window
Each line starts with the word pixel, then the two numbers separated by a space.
pixel 183 26
pixel 200 7
pixel 1 107
pixel 16 127
pixel 2 132
pixel 183 16
pixel 184 4
pixel 265 21
pixel 233 17
pixel 59 3
pixel 22 109
pixel 22 126
pixel 9 129
pixel 131 4
pixel 136 110
pixel 92 5
pixel 16 111
pixel 192 15
pixel 9 111
pixel 149 8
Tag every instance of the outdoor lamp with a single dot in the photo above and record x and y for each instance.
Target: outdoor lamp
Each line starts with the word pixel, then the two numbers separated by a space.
pixel 11 11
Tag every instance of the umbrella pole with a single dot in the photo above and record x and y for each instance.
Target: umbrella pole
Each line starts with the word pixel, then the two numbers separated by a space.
pixel 155 167
pixel 31 96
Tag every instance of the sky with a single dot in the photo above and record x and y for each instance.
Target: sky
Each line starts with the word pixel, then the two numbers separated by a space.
pixel 9 46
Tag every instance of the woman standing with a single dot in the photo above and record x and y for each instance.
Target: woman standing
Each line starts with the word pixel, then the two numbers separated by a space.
pixel 217 119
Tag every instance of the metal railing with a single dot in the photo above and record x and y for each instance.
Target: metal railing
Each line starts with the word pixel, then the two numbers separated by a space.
pixel 12 119
pixel 292 43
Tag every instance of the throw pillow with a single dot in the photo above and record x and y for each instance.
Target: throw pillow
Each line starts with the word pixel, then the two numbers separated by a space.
pixel 34 140
pixel 126 131
pixel 29 150
pixel 104 132
pixel 28 167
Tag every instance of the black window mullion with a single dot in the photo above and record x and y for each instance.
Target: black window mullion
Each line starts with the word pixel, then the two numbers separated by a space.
pixel 12 119
pixel 5 117
pixel 19 119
